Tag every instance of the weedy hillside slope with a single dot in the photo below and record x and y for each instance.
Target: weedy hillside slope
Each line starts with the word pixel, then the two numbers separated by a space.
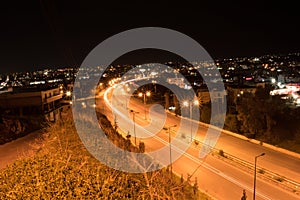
pixel 63 169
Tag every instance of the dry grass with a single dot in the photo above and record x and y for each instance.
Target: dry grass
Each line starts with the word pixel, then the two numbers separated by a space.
pixel 63 169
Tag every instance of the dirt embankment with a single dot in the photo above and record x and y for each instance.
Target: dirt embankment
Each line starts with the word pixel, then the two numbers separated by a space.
pixel 12 128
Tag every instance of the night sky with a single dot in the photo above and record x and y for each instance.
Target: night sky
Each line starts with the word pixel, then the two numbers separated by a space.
pixel 38 34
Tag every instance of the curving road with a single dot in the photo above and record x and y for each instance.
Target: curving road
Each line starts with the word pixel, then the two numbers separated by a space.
pixel 216 177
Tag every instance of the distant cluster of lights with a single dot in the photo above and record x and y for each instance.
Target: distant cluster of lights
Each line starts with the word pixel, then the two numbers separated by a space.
pixel 67 93
pixel 286 90
pixel 113 81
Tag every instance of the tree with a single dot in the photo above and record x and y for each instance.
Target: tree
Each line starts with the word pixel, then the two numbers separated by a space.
pixel 205 113
pixel 232 123
pixel 251 114
pixel 262 94
pixel 142 147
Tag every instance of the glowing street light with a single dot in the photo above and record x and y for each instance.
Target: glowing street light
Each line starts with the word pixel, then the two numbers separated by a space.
pixel 255 173
pixel 273 80
pixel 185 103
pixel 68 93
pixel 196 102
pixel 148 94
pixel 190 105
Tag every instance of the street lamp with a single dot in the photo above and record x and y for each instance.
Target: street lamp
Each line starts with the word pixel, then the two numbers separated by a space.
pixel 255 173
pixel 133 113
pixel 169 130
pixel 148 94
pixel 68 93
pixel 190 104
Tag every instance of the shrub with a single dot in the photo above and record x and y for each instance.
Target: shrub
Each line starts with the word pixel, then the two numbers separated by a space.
pixel 63 169
pixel 221 153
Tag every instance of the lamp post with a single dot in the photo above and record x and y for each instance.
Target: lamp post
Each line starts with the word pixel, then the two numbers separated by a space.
pixel 190 105
pixel 68 93
pixel 255 160
pixel 133 113
pixel 169 131
pixel 148 94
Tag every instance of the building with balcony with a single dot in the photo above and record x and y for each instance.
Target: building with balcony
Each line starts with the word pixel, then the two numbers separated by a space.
pixel 23 102
pixel 205 96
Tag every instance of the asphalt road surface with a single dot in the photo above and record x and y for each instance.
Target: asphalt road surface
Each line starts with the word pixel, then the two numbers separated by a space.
pixel 21 147
pixel 216 177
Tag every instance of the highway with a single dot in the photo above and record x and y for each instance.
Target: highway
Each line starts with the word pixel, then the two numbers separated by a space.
pixel 215 177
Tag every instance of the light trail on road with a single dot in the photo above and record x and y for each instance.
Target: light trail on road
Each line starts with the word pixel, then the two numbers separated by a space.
pixel 193 158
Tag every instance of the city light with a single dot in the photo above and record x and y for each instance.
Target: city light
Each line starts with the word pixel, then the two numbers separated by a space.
pixel 190 105
pixel 185 103
pixel 141 94
pixel 68 93
pixel 196 102
pixel 281 89
pixel 273 80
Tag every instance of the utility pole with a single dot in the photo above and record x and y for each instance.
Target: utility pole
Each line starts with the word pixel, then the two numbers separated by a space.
pixel 148 94
pixel 190 104
pixel 133 113
pixel 255 160
pixel 169 131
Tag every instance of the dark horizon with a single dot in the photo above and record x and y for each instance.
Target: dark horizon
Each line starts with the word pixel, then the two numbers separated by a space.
pixel 47 34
